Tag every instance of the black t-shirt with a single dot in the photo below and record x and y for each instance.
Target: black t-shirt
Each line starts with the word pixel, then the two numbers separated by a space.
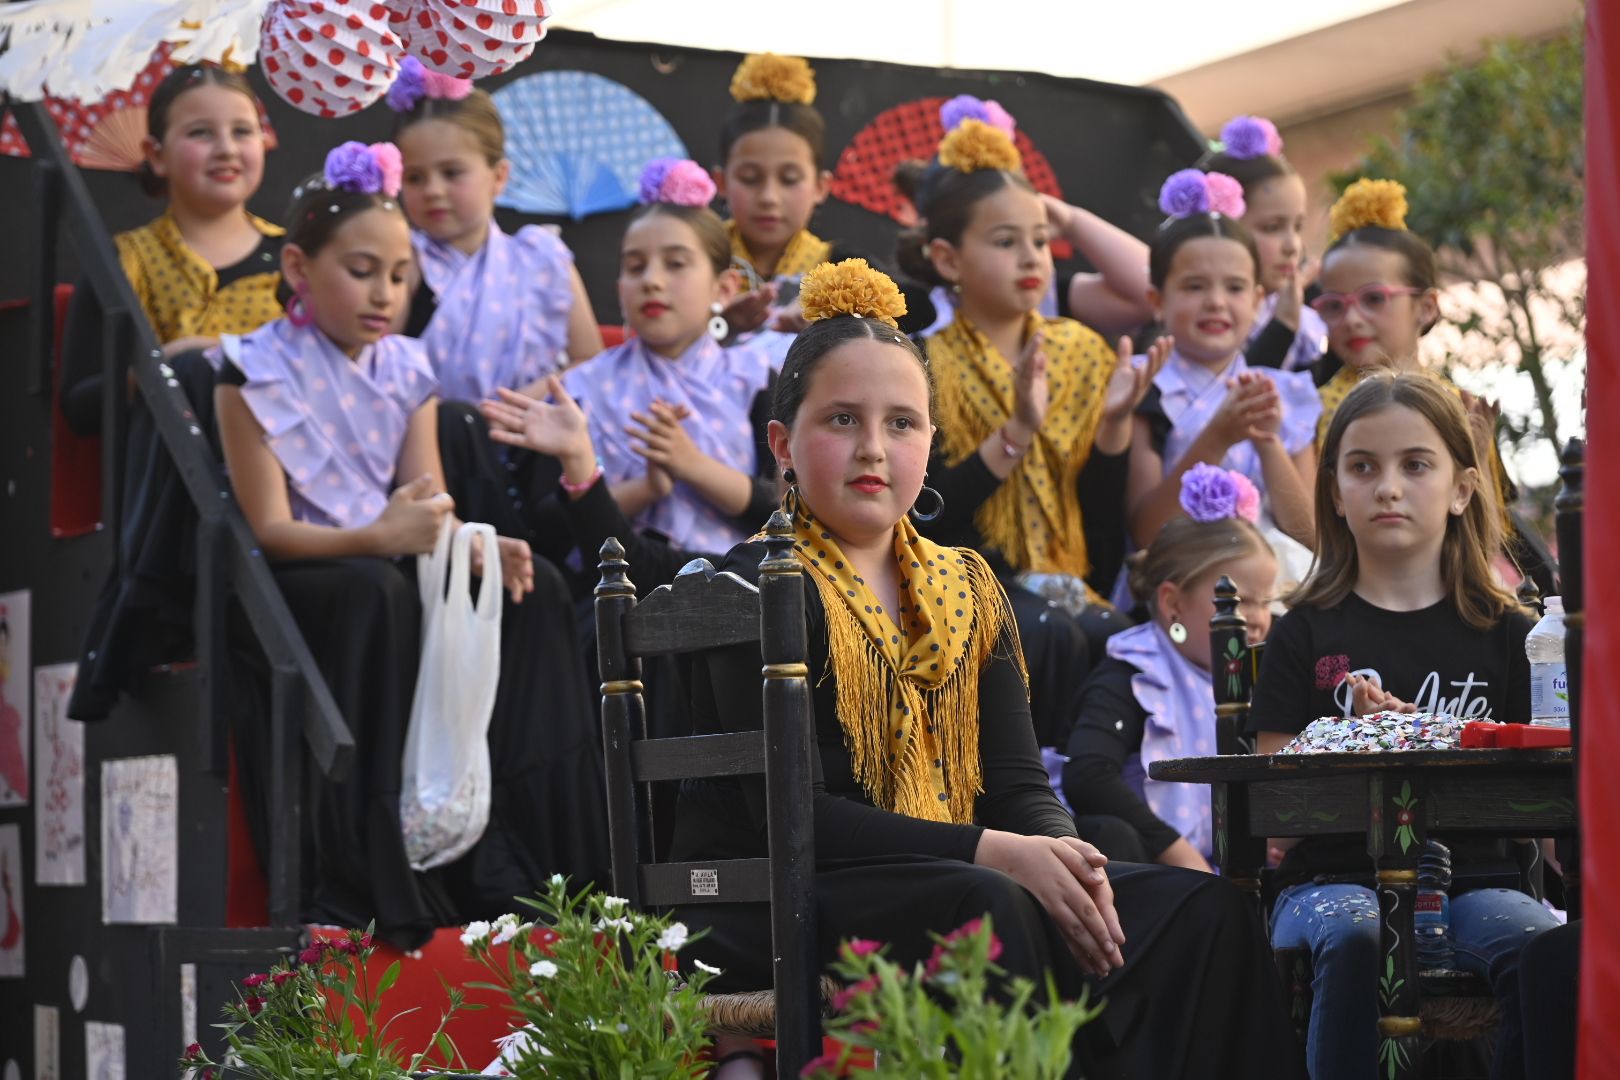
pixel 1428 657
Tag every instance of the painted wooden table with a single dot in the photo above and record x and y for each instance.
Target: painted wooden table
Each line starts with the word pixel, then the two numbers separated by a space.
pixel 1396 799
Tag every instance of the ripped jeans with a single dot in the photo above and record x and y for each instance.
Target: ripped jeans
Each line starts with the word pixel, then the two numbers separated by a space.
pixel 1340 925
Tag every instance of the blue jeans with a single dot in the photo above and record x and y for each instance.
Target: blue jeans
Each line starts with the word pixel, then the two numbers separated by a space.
pixel 1340 925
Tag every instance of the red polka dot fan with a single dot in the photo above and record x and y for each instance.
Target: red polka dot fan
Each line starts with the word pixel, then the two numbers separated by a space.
pixel 107 133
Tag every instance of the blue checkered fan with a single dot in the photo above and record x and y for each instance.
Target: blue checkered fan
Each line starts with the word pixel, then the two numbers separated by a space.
pixel 578 142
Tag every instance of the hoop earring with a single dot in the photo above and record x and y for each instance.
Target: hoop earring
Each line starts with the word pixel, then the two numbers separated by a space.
pixel 718 327
pixel 1178 633
pixel 923 517
pixel 298 312
pixel 791 504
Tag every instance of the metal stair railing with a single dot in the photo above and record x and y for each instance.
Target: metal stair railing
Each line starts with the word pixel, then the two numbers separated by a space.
pixel 229 558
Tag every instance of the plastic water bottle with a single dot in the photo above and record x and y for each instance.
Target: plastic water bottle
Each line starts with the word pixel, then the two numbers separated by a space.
pixel 1549 678
pixel 1431 913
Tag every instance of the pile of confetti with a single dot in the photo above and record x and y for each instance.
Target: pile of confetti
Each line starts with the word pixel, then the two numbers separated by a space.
pixel 1377 733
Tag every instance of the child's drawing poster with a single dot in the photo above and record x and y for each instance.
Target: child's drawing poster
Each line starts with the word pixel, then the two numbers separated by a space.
pixel 59 778
pixel 14 669
pixel 47 1043
pixel 139 840
pixel 103 1051
pixel 12 937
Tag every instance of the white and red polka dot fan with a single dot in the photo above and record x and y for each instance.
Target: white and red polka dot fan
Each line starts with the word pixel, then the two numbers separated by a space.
pixel 329 57
pixel 474 38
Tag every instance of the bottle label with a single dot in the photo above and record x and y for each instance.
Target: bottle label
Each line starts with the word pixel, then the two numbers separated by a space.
pixel 1549 692
pixel 1429 903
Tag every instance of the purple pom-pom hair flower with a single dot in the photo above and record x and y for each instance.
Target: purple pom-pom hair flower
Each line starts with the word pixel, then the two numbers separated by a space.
pixel 678 181
pixel 1247 137
pixel 1192 191
pixel 415 82
pixel 1208 493
pixel 369 170
pixel 967 107
pixel 1184 194
pixel 1225 195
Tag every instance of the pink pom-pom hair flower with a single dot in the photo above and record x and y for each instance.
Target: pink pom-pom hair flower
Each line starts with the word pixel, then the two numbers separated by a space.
pixel 1225 195
pixel 415 82
pixel 677 181
pixel 391 166
pixel 1248 499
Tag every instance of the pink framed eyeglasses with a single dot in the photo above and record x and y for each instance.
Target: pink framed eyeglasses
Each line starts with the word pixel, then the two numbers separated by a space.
pixel 1372 299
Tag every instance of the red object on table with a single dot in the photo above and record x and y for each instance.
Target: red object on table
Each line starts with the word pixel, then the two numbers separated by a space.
pixel 1512 736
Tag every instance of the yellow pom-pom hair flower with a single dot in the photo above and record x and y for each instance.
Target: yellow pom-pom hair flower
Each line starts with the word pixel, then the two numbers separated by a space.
pixel 850 288
pixel 973 145
pixel 1368 202
pixel 769 77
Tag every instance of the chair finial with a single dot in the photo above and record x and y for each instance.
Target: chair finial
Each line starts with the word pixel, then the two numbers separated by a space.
pixel 615 572
pixel 779 545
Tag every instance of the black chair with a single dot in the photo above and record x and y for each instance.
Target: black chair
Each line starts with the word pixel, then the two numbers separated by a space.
pixel 701 610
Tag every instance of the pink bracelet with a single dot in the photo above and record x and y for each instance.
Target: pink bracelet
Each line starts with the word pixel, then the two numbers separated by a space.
pixel 1008 447
pixel 582 488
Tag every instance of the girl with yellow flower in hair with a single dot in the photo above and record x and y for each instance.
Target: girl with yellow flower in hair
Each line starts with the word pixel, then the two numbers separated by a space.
pixel 1035 413
pixel 1379 297
pixel 931 805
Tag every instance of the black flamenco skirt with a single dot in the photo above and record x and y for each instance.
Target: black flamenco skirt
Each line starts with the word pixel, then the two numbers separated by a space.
pixel 1197 997
pixel 362 621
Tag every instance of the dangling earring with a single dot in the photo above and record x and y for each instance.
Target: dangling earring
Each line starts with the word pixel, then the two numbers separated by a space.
pixel 298 309
pixel 790 501
pixel 923 517
pixel 718 327
pixel 1178 633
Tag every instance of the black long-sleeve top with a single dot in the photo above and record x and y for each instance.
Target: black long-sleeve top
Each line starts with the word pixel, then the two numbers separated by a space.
pixel 1106 734
pixel 1101 487
pixel 726 817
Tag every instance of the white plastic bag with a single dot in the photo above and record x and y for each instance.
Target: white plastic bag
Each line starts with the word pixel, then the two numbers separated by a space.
pixel 444 792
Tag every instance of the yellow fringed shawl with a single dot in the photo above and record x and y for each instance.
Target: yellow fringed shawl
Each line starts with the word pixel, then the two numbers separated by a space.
pixel 804 253
pixel 180 292
pixel 908 681
pixel 1033 519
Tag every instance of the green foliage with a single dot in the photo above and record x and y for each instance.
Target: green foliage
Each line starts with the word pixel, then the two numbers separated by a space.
pixel 588 980
pixel 316 1016
pixel 1492 154
pixel 940 1021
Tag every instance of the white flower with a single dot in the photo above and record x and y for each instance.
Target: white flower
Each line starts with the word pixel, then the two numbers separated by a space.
pixel 543 969
pixel 712 970
pixel 556 879
pixel 615 925
pixel 623 1028
pixel 613 903
pixel 673 938
pixel 474 932
pixel 506 928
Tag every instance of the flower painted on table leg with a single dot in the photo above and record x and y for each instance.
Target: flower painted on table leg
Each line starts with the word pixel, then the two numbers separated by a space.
pixel 1407 813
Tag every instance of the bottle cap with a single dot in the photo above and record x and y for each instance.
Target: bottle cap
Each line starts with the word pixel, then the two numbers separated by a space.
pixel 1554 603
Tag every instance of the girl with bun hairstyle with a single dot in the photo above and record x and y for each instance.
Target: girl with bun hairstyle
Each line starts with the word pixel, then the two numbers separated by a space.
pixel 1152 696
pixel 1034 417
pixel 931 805
pixel 1287 332
pixel 329 428
pixel 1379 297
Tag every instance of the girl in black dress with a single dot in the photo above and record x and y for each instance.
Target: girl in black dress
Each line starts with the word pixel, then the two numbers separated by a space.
pixel 931 804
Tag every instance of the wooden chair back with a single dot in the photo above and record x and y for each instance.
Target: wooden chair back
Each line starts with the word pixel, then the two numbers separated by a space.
pixel 702 609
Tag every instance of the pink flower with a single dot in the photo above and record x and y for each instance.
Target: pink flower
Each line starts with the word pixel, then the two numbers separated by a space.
pixel 253 982
pixel 390 165
pixel 193 1052
pixel 841 1000
pixel 282 978
pixel 997 117
pixel 312 954
pixel 687 184
pixel 1331 671
pixel 1225 195
pixel 254 1003
pixel 862 946
pixel 826 1063
pixel 1248 498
